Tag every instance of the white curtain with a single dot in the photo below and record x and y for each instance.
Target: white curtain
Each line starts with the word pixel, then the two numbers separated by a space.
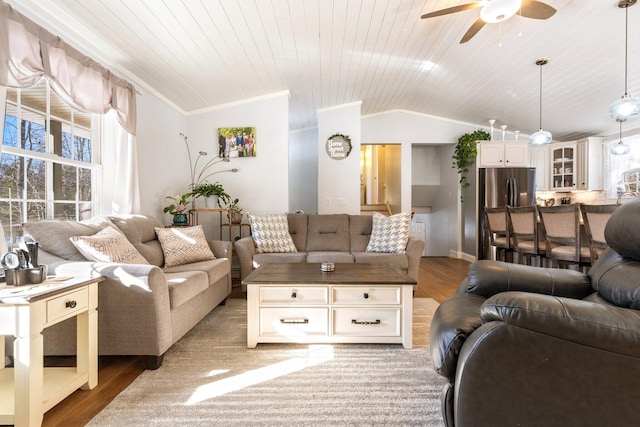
pixel 120 185
pixel 28 52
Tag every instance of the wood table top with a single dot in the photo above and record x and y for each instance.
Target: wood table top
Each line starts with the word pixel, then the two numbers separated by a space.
pixel 345 273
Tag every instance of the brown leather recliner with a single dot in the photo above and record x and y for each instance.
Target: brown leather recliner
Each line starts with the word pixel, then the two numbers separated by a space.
pixel 530 346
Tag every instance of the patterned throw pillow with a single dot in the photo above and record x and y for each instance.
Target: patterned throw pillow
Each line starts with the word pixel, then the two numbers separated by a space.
pixel 389 233
pixel 271 234
pixel 183 245
pixel 108 245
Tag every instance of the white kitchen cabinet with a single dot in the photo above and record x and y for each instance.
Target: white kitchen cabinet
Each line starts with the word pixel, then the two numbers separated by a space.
pixel 589 164
pixel 540 159
pixel 563 161
pixel 493 154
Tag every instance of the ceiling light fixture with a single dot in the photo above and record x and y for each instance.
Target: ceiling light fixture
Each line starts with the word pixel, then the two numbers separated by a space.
pixel 627 106
pixel 499 10
pixel 542 136
pixel 620 148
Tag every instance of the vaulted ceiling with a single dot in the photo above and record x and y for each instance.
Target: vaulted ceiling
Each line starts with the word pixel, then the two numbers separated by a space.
pixel 196 54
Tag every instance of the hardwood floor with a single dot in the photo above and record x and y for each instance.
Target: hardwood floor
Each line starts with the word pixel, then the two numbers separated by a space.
pixel 438 279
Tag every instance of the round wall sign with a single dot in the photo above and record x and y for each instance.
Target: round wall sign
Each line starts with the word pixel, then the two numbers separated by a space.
pixel 338 146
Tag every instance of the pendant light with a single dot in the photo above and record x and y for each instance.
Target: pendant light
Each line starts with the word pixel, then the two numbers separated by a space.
pixel 627 106
pixel 542 136
pixel 620 148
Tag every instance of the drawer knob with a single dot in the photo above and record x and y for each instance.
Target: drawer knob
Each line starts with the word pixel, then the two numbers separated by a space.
pixel 365 322
pixel 294 321
pixel 70 304
pixel 366 295
pixel 294 295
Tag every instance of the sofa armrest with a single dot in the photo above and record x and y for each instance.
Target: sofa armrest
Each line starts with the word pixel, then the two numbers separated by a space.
pixel 603 326
pixel 246 249
pixel 488 278
pixel 454 320
pixel 133 305
pixel 415 248
pixel 221 248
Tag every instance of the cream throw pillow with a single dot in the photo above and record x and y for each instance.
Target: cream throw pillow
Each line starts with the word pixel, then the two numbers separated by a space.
pixel 183 245
pixel 108 245
pixel 271 234
pixel 389 233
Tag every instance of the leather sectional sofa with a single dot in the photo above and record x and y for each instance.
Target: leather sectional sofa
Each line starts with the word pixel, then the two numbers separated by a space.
pixel 142 308
pixel 531 346
pixel 338 238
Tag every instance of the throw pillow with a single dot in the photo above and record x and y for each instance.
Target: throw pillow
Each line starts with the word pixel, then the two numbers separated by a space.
pixel 271 234
pixel 183 245
pixel 108 245
pixel 389 233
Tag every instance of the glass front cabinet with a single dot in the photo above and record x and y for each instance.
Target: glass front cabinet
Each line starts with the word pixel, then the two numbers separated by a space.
pixel 563 166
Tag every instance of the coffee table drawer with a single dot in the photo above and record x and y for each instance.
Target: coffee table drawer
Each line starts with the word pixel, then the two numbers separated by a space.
pixel 292 322
pixel 372 322
pixel 293 295
pixel 366 295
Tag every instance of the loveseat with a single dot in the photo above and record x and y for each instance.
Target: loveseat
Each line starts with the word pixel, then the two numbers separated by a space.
pixel 142 308
pixel 531 346
pixel 338 238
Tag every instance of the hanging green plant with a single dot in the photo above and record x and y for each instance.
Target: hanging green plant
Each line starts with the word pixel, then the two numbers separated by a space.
pixel 465 154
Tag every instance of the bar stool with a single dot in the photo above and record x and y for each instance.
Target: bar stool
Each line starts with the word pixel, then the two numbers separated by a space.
pixel 523 227
pixel 498 230
pixel 595 218
pixel 561 228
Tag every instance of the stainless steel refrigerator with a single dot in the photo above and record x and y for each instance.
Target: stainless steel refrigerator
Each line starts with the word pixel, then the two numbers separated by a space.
pixel 501 187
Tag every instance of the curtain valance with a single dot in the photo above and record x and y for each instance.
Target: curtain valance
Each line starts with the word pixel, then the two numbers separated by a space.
pixel 28 52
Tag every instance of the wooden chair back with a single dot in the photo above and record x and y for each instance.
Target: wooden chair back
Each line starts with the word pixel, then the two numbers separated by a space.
pixel 595 218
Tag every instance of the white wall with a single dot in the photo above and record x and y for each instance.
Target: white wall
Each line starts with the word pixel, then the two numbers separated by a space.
pixel 303 170
pixel 339 179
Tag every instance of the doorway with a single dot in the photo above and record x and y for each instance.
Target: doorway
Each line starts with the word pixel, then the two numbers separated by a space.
pixel 380 180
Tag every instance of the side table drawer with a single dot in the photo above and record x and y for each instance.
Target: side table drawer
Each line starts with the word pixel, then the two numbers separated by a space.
pixel 67 305
pixel 294 295
pixel 371 322
pixel 366 295
pixel 291 322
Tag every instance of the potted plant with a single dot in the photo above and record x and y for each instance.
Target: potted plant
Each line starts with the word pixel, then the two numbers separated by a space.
pixel 466 152
pixel 235 212
pixel 178 209
pixel 213 194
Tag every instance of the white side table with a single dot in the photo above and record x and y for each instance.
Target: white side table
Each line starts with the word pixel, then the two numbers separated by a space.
pixel 28 390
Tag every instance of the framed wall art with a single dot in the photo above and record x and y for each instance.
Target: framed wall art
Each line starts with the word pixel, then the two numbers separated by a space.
pixel 237 142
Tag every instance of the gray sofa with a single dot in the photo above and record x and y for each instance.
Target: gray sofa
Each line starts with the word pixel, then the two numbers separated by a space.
pixel 339 238
pixel 142 309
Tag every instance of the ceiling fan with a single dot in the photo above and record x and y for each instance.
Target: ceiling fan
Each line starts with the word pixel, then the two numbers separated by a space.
pixel 494 11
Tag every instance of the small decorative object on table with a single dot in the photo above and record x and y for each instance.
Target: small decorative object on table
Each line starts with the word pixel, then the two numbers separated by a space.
pixel 178 209
pixel 235 212
pixel 20 270
pixel 327 267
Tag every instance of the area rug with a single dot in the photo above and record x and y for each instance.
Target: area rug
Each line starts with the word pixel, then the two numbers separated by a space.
pixel 211 378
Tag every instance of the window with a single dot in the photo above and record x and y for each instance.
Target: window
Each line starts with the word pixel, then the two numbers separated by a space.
pixel 622 179
pixel 49 165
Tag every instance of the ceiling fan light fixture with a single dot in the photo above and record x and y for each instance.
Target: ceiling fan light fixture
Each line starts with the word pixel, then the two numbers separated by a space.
pixel 499 10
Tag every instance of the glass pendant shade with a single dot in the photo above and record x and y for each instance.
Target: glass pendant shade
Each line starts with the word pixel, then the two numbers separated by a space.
pixel 499 10
pixel 541 137
pixel 620 149
pixel 625 107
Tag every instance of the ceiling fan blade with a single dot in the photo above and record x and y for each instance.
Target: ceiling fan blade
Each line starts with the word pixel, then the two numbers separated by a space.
pixel 536 9
pixel 473 30
pixel 451 10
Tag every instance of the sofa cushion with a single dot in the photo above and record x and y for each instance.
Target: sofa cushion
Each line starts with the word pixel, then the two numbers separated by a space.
pixel 53 235
pixel 216 269
pixel 259 259
pixel 330 256
pixel 185 285
pixel 360 232
pixel 395 260
pixel 108 245
pixel 298 230
pixel 183 245
pixel 389 234
pixel 328 233
pixel 140 231
pixel 271 234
